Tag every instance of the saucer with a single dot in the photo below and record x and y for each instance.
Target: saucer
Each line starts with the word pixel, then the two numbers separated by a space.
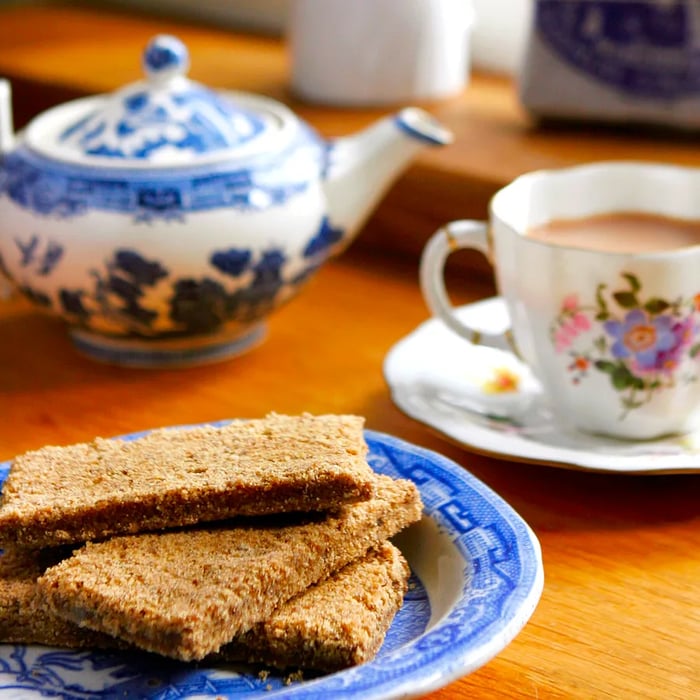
pixel 486 399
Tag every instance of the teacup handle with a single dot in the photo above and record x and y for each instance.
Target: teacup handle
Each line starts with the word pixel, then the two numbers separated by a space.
pixel 445 241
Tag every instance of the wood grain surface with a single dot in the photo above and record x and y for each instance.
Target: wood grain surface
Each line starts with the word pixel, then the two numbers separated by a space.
pixel 55 51
pixel 619 616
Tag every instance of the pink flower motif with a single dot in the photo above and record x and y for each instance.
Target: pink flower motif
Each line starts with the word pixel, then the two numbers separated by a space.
pixel 581 322
pixel 570 303
pixel 567 332
pixel 563 338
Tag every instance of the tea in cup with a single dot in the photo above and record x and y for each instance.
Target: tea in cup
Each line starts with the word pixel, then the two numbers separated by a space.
pixel 599 268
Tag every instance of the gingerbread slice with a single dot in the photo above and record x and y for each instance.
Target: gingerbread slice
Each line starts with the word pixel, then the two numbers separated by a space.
pixel 337 623
pixel 185 593
pixel 171 478
pixel 24 619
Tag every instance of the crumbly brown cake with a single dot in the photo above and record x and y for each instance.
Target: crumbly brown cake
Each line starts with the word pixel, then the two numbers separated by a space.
pixel 171 478
pixel 340 622
pixel 337 623
pixel 24 618
pixel 184 594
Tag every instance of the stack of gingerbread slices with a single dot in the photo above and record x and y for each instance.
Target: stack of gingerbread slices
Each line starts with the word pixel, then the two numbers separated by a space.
pixel 263 541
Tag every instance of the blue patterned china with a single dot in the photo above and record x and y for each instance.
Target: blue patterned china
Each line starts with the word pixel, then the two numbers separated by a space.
pixel 165 221
pixel 477 577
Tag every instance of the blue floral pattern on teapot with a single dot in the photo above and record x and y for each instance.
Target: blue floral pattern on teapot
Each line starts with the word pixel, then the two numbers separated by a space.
pixel 166 221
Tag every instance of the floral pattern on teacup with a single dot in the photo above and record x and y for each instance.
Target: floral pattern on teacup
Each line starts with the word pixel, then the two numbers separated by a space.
pixel 502 380
pixel 641 344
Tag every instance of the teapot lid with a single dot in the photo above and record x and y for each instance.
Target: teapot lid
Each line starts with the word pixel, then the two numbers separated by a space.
pixel 164 120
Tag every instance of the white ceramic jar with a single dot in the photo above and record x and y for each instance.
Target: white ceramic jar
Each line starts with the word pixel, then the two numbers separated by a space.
pixel 377 52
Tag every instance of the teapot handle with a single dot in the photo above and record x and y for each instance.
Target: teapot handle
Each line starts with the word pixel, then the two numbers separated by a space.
pixel 7 136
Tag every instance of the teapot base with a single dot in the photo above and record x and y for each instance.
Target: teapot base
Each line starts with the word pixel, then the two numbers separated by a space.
pixel 168 353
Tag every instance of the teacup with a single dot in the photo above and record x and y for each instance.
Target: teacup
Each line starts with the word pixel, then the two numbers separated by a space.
pixel 599 268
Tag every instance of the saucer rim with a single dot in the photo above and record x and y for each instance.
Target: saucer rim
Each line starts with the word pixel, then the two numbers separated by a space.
pixel 573 458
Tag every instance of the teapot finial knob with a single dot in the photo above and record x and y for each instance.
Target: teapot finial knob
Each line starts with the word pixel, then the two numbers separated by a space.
pixel 164 58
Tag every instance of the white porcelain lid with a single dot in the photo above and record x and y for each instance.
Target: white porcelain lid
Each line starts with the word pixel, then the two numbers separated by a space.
pixel 164 120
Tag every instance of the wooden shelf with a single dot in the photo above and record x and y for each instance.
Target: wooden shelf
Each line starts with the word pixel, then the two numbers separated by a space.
pixel 58 51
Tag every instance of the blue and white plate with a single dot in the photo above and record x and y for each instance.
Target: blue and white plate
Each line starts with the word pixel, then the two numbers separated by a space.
pixel 477 575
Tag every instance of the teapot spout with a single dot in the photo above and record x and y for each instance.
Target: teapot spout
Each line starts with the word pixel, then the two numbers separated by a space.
pixel 7 136
pixel 362 167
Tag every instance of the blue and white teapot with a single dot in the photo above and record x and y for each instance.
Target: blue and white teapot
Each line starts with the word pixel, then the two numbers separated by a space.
pixel 165 221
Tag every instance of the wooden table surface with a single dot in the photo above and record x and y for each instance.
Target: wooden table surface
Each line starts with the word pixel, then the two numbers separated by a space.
pixel 619 616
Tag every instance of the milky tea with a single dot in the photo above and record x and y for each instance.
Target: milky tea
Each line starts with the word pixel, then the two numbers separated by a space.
pixel 623 232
